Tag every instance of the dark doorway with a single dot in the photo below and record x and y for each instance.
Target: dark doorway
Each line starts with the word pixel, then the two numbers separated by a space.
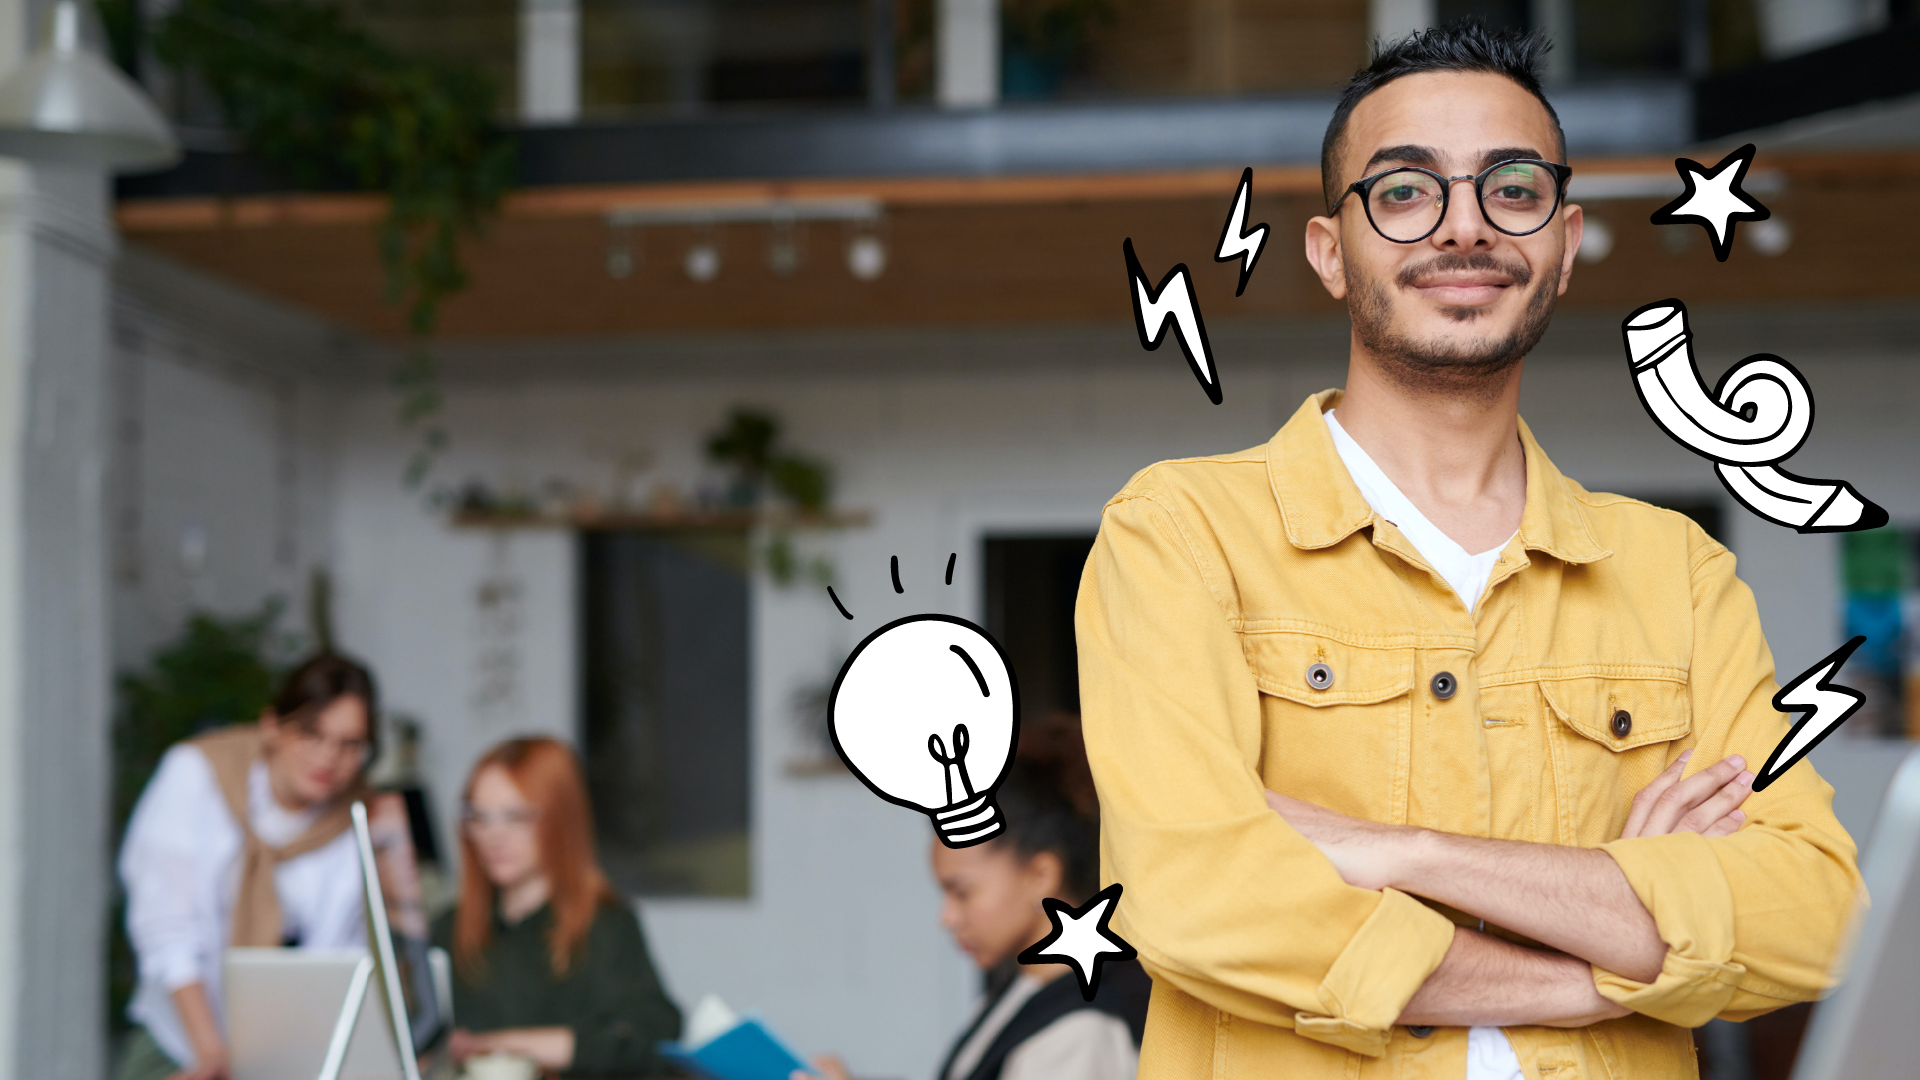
pixel 664 633
pixel 1031 585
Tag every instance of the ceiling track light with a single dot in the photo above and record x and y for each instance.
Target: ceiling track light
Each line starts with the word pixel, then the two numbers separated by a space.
pixel 786 250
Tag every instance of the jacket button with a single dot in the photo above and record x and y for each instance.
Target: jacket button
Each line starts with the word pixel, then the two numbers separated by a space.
pixel 1444 684
pixel 1420 1031
pixel 1622 724
pixel 1320 676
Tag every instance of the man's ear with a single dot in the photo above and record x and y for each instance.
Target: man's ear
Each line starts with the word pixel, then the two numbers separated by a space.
pixel 1324 254
pixel 1576 227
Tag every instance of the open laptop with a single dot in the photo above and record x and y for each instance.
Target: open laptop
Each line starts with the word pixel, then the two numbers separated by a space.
pixel 1866 1030
pixel 283 1006
pixel 348 1014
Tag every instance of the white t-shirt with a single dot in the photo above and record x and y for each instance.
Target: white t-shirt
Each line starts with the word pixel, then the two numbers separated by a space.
pixel 181 868
pixel 1085 1044
pixel 1489 1055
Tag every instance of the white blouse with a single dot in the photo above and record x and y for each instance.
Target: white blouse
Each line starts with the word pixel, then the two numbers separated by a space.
pixel 1085 1044
pixel 180 865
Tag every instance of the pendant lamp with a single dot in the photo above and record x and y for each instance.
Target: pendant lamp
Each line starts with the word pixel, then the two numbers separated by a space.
pixel 65 105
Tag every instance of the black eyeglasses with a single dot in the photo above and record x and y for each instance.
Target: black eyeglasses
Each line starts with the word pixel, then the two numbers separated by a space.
pixel 1407 204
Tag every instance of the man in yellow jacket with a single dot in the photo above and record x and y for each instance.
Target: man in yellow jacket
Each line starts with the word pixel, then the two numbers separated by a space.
pixel 1383 806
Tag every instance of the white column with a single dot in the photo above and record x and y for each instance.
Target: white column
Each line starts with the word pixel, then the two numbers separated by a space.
pixel 549 61
pixel 967 60
pixel 56 244
pixel 1391 20
pixel 56 247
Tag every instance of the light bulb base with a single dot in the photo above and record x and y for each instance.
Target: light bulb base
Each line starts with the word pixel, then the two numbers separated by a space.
pixel 968 823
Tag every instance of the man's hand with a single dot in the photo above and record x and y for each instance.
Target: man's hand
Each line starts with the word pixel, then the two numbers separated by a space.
pixel 1706 803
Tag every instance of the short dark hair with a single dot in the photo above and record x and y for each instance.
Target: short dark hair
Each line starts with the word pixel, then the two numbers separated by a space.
pixel 1461 45
pixel 321 680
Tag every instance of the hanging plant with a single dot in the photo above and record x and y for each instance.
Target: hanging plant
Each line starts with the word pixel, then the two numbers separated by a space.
pixel 325 104
pixel 764 471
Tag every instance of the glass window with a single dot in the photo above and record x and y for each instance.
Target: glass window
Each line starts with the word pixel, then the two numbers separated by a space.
pixel 664 640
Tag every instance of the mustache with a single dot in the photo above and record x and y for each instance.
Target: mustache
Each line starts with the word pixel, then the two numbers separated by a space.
pixel 1412 274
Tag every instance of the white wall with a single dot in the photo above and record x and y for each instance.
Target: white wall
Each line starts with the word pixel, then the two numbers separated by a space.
pixel 220 495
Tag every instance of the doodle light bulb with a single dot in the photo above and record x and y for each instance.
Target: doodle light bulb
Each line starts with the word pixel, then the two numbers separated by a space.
pixel 925 713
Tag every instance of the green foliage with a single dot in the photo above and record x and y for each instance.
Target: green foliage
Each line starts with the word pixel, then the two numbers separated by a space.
pixel 329 106
pixel 750 443
pixel 218 672
pixel 120 19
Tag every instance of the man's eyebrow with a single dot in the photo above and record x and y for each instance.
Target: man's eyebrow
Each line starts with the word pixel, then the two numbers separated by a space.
pixel 1405 154
pixel 1507 153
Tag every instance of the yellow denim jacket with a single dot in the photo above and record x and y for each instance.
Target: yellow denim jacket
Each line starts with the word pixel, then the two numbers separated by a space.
pixel 1612 637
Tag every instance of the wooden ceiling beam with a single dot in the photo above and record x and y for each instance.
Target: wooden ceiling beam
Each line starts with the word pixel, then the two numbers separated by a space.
pixel 194 214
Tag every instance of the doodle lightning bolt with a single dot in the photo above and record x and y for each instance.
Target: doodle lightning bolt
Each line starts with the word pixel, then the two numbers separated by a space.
pixel 1825 705
pixel 1238 241
pixel 1156 306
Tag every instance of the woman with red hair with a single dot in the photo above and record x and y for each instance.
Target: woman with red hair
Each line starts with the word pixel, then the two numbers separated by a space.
pixel 549 964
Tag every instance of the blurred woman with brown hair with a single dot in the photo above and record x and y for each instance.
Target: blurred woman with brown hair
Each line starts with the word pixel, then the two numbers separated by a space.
pixel 241 838
pixel 549 964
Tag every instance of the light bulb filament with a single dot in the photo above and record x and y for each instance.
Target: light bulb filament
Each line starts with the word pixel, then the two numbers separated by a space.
pixel 959 787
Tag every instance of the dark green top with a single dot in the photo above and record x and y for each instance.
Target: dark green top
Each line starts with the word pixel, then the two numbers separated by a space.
pixel 610 997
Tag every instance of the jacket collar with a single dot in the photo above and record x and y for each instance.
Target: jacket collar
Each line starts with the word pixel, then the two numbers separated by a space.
pixel 1320 505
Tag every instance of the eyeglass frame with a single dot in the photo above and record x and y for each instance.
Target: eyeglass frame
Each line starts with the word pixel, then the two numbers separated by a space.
pixel 1363 187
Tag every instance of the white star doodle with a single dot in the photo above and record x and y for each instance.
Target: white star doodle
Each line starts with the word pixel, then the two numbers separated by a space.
pixel 1080 937
pixel 1714 199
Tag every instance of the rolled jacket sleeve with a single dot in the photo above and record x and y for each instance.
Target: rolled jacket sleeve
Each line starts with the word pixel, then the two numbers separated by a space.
pixel 1755 920
pixel 1223 898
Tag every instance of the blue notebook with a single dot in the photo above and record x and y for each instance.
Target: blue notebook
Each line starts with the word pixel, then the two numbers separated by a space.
pixel 746 1050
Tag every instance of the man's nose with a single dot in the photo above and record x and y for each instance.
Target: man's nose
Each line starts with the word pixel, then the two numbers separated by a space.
pixel 1464 226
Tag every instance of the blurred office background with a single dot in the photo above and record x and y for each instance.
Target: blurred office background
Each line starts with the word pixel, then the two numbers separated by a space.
pixel 775 291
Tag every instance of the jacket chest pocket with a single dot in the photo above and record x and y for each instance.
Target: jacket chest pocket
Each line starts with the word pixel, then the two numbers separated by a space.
pixel 1334 721
pixel 1610 738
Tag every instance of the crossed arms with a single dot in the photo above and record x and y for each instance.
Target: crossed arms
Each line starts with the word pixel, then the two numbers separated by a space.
pixel 1574 900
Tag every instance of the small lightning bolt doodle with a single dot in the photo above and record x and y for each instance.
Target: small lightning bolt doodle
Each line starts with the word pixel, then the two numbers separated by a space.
pixel 1238 241
pixel 1758 415
pixel 1156 306
pixel 1825 706
pixel 1080 937
pixel 1713 199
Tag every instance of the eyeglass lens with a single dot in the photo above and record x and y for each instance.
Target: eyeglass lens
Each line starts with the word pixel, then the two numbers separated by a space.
pixel 1518 197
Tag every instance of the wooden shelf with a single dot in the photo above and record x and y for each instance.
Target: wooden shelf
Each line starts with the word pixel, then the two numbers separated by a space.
pixel 642 521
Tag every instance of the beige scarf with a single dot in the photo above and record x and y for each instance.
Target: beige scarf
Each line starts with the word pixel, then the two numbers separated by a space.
pixel 256 908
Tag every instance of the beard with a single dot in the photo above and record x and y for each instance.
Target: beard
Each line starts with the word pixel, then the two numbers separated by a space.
pixel 1473 368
